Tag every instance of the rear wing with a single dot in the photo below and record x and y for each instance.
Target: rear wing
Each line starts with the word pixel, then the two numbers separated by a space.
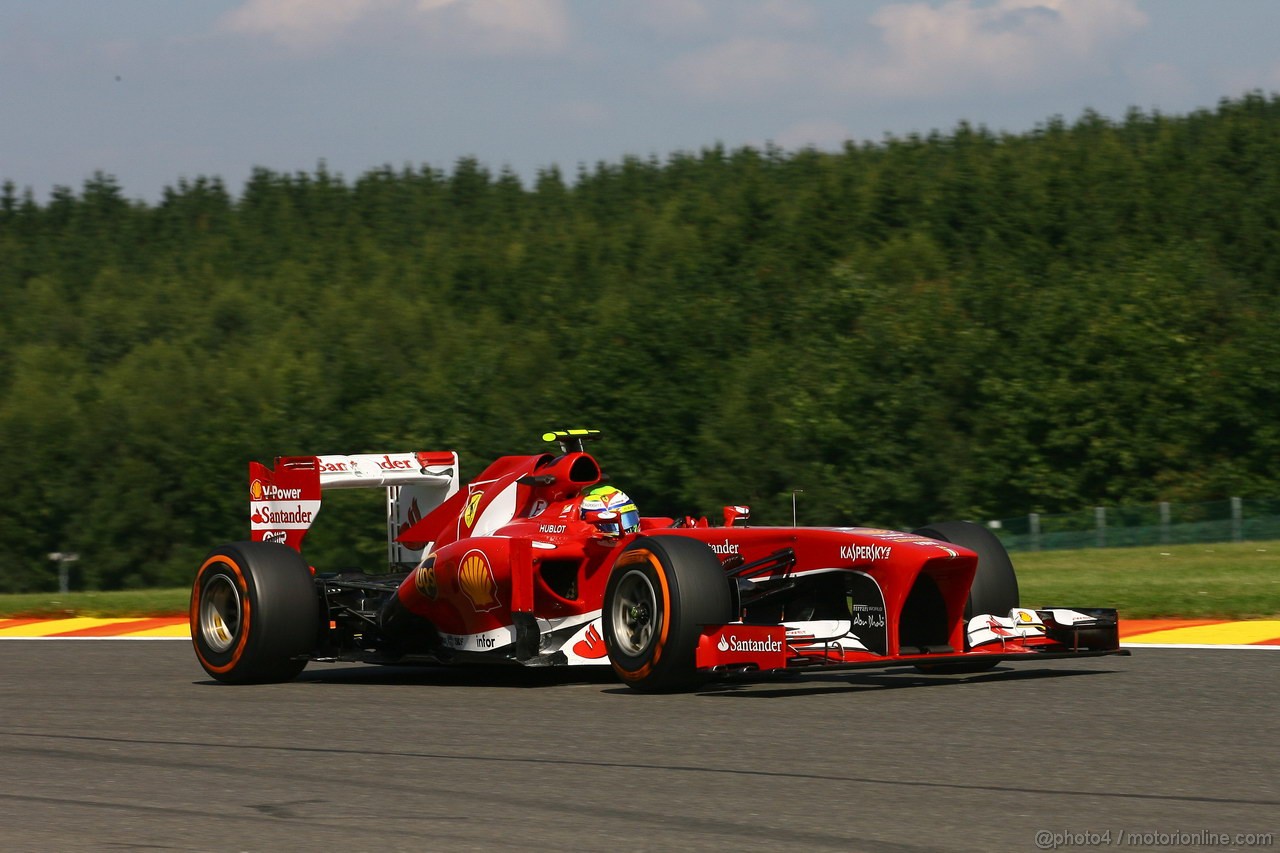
pixel 284 501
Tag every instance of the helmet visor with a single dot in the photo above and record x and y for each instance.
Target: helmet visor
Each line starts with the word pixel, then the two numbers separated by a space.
pixel 630 518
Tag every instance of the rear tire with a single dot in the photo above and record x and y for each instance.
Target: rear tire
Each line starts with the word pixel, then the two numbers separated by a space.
pixel 995 586
pixel 255 613
pixel 661 591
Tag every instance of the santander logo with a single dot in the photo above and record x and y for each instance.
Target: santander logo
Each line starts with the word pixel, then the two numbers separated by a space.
pixel 727 548
pixel 412 517
pixel 591 646
pixel 731 643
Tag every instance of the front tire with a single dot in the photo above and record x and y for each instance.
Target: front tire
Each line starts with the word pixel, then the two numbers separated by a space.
pixel 255 613
pixel 995 585
pixel 662 590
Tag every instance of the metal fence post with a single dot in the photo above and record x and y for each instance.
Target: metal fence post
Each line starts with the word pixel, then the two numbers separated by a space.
pixel 62 558
pixel 1197 522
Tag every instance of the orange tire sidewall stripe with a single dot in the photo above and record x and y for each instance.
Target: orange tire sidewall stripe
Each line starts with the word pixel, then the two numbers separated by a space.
pixel 245 614
pixel 648 556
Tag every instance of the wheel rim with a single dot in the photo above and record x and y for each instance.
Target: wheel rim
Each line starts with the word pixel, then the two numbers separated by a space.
pixel 220 613
pixel 635 613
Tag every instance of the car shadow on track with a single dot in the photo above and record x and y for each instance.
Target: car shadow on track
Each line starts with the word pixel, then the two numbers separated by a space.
pixel 750 687
pixel 441 677
pixel 789 685
pixel 520 677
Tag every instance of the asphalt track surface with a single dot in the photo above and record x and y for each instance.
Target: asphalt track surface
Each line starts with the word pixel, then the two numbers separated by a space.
pixel 126 745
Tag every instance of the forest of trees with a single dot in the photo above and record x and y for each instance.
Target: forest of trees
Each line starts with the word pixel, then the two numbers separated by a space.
pixel 964 324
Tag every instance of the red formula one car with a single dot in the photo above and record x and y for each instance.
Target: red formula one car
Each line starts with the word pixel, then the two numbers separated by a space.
pixel 540 562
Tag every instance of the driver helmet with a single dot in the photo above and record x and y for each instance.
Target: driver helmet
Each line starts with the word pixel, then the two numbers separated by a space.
pixel 610 510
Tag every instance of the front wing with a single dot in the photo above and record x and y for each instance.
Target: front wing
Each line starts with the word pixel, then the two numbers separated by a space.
pixel 1024 634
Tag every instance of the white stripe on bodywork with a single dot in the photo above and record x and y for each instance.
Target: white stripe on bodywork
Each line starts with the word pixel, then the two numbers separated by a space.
pixel 985 628
pixel 824 632
pixel 485 641
pixel 497 513
pixel 497 638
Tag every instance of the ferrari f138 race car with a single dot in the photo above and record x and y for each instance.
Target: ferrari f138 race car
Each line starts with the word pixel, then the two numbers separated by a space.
pixel 540 562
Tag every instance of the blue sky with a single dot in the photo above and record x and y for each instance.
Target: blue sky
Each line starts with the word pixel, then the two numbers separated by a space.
pixel 152 91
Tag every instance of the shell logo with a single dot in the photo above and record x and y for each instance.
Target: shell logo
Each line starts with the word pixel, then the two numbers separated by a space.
pixel 1027 618
pixel 256 490
pixel 473 503
pixel 475 577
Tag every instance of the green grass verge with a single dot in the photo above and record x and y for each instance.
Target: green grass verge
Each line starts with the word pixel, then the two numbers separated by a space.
pixel 1206 581
pixel 131 602
pixel 1217 581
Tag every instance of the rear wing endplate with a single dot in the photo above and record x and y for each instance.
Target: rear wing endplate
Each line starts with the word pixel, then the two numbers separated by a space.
pixel 284 501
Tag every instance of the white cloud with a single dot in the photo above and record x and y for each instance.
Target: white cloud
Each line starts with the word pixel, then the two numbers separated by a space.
pixel 301 24
pixel 748 67
pixel 925 50
pixel 499 26
pixel 460 26
pixel 778 14
pixel 670 17
pixel 696 19
pixel 1009 44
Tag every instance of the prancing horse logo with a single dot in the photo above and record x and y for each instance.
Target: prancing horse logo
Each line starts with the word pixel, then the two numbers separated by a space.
pixel 473 503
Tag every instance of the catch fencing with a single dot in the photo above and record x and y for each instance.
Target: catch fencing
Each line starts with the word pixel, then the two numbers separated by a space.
pixel 1165 523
